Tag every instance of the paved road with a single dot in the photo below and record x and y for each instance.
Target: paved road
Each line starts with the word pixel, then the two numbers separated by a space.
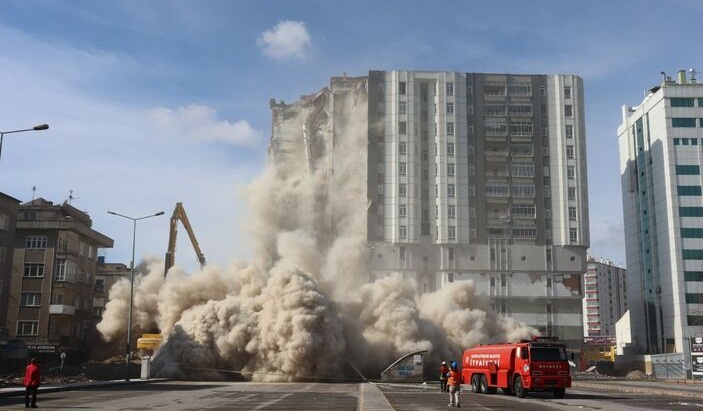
pixel 176 396
pixel 415 399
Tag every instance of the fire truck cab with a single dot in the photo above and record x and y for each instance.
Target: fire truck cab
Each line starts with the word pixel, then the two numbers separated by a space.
pixel 529 365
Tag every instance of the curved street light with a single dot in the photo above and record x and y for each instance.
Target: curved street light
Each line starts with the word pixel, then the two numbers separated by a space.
pixel 35 128
pixel 131 285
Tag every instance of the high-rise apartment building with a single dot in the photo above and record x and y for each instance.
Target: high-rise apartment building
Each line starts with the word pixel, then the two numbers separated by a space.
pixel 660 165
pixel 469 176
pixel 605 297
pixel 53 278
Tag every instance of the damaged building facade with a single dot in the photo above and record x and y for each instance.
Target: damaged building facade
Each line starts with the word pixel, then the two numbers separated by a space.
pixel 468 176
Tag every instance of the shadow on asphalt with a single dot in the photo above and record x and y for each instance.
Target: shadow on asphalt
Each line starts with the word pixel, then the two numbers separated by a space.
pixel 162 387
pixel 577 396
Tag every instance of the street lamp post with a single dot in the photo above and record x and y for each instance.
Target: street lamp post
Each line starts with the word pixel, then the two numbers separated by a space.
pixel 35 128
pixel 131 285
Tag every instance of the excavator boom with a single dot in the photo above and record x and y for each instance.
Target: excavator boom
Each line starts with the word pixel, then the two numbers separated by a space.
pixel 179 213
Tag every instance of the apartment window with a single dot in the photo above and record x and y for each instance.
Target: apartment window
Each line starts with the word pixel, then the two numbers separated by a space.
pixel 30 299
pixel 692 170
pixel 403 232
pixel 57 298
pixel 682 102
pixel 688 190
pixel 523 190
pixel 450 129
pixel 450 88
pixel 401 253
pixel 4 219
pixel 691 232
pixel 3 255
pixel 521 128
pixel 523 170
pixel 692 254
pixel 28 328
pixel 573 235
pixel 450 277
pixel 402 148
pixel 569 151
pixel 402 87
pixel 568 110
pixel 35 242
pixel 402 127
pixel 402 189
pixel 100 285
pixel 380 189
pixel 683 122
pixel 450 108
pixel 691 211
pixel 451 212
pixel 523 210
pixel 450 253
pixel 572 213
pixel 571 172
pixel 402 107
pixel 450 149
pixel 569 131
pixel 451 190
pixel 451 230
pixel 403 169
pixel 402 211
pixel 450 169
pixel 542 90
pixel 567 91
pixel 33 270
pixel 548 256
pixel 572 193
pixel 520 89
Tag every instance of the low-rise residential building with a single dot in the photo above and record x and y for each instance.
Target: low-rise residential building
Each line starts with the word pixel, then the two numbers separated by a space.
pixel 53 278
pixel 8 222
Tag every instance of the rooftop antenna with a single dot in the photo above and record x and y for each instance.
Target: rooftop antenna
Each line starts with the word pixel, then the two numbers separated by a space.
pixel 34 191
pixel 663 73
pixel 71 197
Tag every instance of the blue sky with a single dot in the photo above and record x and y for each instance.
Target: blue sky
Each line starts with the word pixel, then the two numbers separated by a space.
pixel 151 103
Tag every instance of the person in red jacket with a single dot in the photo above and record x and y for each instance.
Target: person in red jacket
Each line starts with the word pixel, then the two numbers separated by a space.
pixel 31 383
pixel 443 375
pixel 454 382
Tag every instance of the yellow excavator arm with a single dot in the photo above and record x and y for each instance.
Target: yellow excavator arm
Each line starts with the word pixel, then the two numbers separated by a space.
pixel 179 213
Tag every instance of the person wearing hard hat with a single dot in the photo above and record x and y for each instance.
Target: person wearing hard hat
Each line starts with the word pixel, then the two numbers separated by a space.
pixel 443 375
pixel 454 382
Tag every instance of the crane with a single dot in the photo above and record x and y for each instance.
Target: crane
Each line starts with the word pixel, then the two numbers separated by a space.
pixel 179 213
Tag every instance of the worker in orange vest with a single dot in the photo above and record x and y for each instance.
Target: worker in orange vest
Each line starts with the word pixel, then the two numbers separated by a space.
pixel 443 375
pixel 454 382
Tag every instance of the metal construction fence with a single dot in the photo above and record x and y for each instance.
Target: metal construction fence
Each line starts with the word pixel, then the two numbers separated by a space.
pixel 674 366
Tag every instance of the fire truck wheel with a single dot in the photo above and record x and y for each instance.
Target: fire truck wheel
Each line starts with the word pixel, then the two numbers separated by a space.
pixel 474 384
pixel 518 388
pixel 559 392
pixel 484 385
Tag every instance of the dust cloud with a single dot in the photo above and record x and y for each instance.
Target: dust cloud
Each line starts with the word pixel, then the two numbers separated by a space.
pixel 305 305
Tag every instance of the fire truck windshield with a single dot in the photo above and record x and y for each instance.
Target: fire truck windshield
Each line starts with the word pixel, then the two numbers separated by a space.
pixel 548 354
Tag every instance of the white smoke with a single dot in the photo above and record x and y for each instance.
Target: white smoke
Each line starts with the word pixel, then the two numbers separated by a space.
pixel 303 306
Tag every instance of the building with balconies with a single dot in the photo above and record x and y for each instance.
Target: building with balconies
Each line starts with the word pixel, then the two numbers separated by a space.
pixel 53 278
pixel 605 297
pixel 469 176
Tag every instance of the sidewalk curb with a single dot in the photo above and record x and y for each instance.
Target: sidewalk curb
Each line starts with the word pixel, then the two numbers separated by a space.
pixel 19 391
pixel 638 390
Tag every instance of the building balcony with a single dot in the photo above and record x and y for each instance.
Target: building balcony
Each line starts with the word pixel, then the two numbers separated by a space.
pixel 60 309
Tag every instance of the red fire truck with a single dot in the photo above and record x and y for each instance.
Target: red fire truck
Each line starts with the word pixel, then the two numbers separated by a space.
pixel 529 365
